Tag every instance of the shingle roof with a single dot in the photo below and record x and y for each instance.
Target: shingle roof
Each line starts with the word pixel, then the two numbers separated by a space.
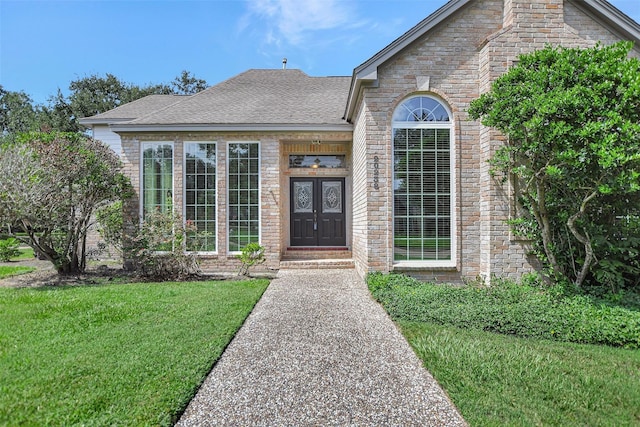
pixel 133 110
pixel 258 97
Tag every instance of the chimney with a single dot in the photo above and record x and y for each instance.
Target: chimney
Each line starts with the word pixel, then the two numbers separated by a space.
pixel 284 63
pixel 533 13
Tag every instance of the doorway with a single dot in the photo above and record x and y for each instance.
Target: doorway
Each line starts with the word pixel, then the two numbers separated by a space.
pixel 317 212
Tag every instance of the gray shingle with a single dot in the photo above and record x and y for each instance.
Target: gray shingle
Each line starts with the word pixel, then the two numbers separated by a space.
pixel 135 109
pixel 260 97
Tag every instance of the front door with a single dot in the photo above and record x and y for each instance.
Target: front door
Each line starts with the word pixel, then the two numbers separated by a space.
pixel 317 212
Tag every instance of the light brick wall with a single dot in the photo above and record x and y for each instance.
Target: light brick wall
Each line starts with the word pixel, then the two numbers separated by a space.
pixel 460 58
pixel 274 203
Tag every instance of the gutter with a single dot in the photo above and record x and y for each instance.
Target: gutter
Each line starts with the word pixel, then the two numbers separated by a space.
pixel 241 127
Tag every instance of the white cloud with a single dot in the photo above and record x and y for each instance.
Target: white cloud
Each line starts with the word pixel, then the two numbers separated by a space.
pixel 294 21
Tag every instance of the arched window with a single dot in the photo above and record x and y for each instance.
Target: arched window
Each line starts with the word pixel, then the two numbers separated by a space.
pixel 422 182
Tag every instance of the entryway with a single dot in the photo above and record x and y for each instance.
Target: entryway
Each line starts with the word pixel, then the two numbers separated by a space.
pixel 317 212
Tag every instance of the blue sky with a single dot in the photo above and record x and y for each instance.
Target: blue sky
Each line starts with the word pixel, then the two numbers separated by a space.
pixel 44 45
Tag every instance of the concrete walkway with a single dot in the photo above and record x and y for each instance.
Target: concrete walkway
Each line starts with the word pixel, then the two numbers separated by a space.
pixel 317 351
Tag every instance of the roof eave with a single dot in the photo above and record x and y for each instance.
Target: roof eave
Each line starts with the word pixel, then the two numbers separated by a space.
pixel 241 127
pixel 99 121
pixel 623 24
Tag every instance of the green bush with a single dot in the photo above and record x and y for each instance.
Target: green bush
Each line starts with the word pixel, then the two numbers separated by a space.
pixel 9 249
pixel 159 248
pixel 252 254
pixel 509 308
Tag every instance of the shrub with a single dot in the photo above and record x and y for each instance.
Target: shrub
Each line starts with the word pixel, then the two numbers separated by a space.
pixel 252 254
pixel 9 249
pixel 159 248
pixel 110 224
pixel 509 308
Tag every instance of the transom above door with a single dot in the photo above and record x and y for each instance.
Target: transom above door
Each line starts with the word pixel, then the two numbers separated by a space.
pixel 317 212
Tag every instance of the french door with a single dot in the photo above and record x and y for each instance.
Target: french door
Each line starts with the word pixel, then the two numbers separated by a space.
pixel 317 212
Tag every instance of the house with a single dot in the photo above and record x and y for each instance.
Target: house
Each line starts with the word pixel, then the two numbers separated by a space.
pixel 383 167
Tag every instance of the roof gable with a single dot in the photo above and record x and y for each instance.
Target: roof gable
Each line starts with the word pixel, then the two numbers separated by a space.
pixel 367 73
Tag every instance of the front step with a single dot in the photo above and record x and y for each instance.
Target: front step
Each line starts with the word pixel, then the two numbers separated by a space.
pixel 317 253
pixel 314 264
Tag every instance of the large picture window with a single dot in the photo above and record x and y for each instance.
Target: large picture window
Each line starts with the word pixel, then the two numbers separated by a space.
pixel 244 194
pixel 200 195
pixel 422 182
pixel 157 177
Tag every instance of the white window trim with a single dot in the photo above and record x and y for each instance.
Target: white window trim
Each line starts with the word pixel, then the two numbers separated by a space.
pixel 228 144
pixel 184 193
pixel 141 174
pixel 453 262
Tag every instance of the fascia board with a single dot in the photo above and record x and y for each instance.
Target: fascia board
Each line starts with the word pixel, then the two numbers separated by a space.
pixel 93 121
pixel 625 25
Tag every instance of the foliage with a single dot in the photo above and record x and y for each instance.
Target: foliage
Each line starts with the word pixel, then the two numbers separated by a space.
pixel 159 247
pixel 124 354
pixel 499 380
pixel 88 96
pixel 52 184
pixel 111 224
pixel 17 113
pixel 572 121
pixel 187 84
pixel 509 308
pixel 9 249
pixel 252 254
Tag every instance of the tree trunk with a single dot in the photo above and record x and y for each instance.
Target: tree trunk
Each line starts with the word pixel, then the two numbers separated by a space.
pixel 584 239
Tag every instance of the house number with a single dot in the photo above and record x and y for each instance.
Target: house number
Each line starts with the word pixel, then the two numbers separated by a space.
pixel 376 172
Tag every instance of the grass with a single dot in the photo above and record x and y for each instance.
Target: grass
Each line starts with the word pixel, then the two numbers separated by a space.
pixel 419 242
pixel 131 354
pixel 498 380
pixel 9 270
pixel 25 254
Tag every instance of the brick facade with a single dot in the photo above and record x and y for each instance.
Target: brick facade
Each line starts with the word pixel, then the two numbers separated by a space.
pixel 455 59
pixel 274 183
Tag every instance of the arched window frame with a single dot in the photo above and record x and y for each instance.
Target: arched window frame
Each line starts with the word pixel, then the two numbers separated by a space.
pixel 423 112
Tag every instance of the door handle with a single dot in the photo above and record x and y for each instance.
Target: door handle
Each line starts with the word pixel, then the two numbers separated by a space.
pixel 315 219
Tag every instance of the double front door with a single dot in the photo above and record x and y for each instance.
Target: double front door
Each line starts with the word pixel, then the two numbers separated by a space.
pixel 317 212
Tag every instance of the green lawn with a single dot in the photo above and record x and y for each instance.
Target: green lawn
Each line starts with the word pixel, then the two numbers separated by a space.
pixel 130 354
pixel 10 270
pixel 25 254
pixel 498 380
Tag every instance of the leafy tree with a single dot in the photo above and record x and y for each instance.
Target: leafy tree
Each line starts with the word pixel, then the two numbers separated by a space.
pixel 88 96
pixel 572 121
pixel 52 183
pixel 187 84
pixel 17 112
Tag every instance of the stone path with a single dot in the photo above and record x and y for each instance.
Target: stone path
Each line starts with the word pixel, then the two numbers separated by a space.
pixel 316 351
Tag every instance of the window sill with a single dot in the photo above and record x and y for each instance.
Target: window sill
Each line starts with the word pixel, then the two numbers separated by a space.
pixel 422 266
